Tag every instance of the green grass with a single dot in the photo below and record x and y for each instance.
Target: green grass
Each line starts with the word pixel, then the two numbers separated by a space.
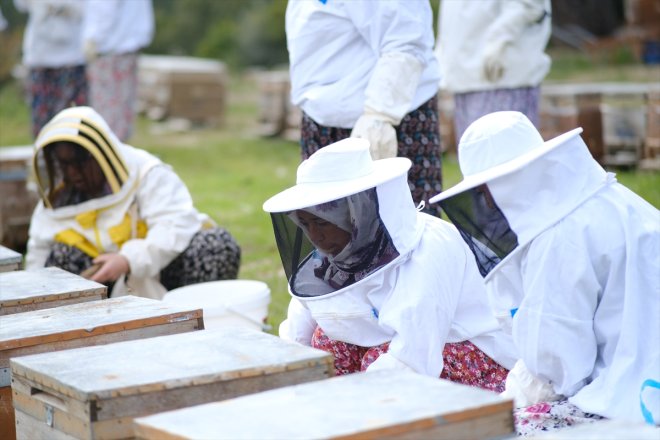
pixel 231 171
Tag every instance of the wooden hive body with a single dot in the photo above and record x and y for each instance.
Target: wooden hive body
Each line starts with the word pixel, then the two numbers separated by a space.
pixel 57 396
pixel 79 325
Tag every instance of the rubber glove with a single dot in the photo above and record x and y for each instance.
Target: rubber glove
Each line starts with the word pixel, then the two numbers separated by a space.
pixel 388 98
pixel 526 389
pixel 89 49
pixel 509 26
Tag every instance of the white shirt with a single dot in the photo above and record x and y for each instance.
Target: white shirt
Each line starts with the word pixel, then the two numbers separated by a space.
pixel 118 26
pixel 334 47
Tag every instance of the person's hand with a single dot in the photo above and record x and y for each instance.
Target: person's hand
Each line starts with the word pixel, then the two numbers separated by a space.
pixel 493 67
pixel 112 267
pixel 380 133
pixel 89 49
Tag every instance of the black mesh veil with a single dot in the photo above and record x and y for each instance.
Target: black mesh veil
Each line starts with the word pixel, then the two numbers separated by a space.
pixel 483 226
pixel 291 242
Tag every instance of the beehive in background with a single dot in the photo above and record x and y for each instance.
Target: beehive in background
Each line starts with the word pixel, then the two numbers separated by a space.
pixel 176 87
pixel 18 196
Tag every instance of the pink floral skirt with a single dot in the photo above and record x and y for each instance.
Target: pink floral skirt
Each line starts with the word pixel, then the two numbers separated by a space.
pixel 463 361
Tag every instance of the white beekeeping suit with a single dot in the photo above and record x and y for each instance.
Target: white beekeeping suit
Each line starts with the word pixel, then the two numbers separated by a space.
pixel 575 263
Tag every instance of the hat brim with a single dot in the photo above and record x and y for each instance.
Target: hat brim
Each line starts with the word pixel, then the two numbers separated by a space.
pixel 505 168
pixel 310 194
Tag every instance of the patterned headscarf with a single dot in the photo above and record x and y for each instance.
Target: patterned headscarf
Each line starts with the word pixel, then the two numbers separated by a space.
pixel 370 247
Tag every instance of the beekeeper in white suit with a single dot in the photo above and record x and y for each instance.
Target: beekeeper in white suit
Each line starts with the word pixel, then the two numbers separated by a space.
pixel 571 260
pixel 366 68
pixel 492 56
pixel 377 283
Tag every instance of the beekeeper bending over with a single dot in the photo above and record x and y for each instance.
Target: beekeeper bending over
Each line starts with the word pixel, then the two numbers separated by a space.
pixel 377 283
pixel 121 210
pixel 571 260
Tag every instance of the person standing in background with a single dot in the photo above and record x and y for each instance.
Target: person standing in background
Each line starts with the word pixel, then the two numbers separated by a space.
pixel 492 58
pixel 114 31
pixel 53 55
pixel 367 69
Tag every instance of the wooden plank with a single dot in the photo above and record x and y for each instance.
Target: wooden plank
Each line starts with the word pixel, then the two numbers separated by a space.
pixel 9 260
pixel 23 291
pixel 380 404
pixel 118 382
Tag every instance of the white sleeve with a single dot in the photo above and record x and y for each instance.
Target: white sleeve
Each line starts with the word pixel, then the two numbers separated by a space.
pixel 514 18
pixel 553 327
pixel 99 19
pixel 299 324
pixel 166 206
pixel 37 248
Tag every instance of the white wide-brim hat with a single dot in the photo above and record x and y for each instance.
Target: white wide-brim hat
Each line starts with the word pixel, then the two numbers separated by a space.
pixel 498 144
pixel 335 171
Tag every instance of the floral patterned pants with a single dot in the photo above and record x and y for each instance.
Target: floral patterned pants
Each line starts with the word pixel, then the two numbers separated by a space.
pixel 418 135
pixel 463 361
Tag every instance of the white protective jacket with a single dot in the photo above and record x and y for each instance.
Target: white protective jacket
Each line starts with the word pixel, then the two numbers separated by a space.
pixel 118 26
pixel 149 218
pixel 53 33
pixel 585 279
pixel 468 29
pixel 334 47
pixel 430 295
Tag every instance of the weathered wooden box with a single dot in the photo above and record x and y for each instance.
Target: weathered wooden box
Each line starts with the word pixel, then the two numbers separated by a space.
pixel 372 405
pixel 96 392
pixel 24 291
pixel 83 324
pixel 9 260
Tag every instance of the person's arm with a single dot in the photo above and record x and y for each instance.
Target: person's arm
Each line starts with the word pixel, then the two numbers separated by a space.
pixel 166 206
pixel 37 248
pixel 553 327
pixel 515 16
pixel 399 32
pixel 298 325
pixel 421 310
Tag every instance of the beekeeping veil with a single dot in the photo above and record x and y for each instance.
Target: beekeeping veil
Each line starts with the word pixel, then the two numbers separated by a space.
pixel 343 185
pixel 77 141
pixel 515 185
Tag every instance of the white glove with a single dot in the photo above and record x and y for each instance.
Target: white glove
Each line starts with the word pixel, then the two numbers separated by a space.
pixel 388 98
pixel 388 362
pixel 380 133
pixel 526 389
pixel 507 27
pixel 493 61
pixel 89 49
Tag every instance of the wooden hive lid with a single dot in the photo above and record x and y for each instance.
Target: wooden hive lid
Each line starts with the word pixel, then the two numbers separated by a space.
pixel 364 405
pixel 165 362
pixel 48 284
pixel 87 319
